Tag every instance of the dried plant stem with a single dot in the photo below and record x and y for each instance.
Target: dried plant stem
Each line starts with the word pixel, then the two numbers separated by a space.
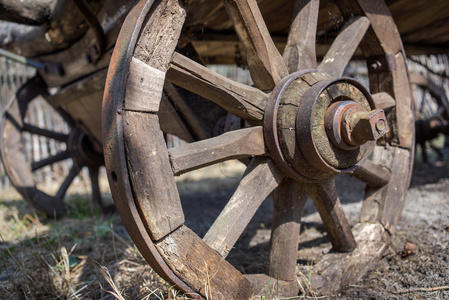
pixel 438 288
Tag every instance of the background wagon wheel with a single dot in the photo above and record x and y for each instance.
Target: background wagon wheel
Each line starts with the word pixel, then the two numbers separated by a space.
pixel 308 124
pixel 431 113
pixel 68 142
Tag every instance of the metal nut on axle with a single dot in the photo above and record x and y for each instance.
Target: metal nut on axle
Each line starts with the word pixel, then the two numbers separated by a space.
pixel 348 125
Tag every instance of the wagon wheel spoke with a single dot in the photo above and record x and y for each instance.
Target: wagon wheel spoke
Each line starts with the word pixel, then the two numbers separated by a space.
pixel 260 179
pixel 372 174
pixel 239 99
pixel 344 46
pixel 422 105
pixel 289 200
pixel 95 185
pixel 299 53
pixel 67 117
pixel 264 60
pixel 50 160
pixel 383 100
pixel 67 181
pixel 437 114
pixel 96 193
pixel 45 132
pixel 324 195
pixel 236 144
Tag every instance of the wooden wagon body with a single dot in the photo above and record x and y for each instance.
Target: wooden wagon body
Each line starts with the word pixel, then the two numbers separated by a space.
pixel 297 127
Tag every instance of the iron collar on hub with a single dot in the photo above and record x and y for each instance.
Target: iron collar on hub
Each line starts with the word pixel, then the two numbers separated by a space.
pixel 316 126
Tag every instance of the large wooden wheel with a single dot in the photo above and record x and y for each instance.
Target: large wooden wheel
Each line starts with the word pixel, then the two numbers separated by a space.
pixel 307 125
pixel 64 141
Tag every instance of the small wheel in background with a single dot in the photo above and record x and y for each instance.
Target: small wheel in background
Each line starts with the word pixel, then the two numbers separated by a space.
pixel 431 115
pixel 61 150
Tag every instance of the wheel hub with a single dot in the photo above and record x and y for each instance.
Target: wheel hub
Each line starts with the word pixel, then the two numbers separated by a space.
pixel 317 126
pixel 82 149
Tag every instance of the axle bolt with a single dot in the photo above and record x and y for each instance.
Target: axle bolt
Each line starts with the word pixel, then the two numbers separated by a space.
pixel 381 126
pixel 348 125
pixel 364 125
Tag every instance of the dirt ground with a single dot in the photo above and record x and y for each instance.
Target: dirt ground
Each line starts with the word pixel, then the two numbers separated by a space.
pixel 86 256
pixel 425 224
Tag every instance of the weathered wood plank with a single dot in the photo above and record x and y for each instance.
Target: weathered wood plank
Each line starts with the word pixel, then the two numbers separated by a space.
pixel 231 145
pixel 201 267
pixel 239 99
pixel 299 53
pixel 159 38
pixel 144 87
pixel 265 63
pixel 383 100
pixel 82 100
pixel 29 12
pixel 385 204
pixel 73 61
pixel 261 178
pixel 149 168
pixel 374 198
pixel 372 174
pixel 404 112
pixel 383 24
pixel 289 200
pixel 344 46
pixel 72 92
pixel 337 270
pixel 324 195
pixel 397 189
pixel 151 59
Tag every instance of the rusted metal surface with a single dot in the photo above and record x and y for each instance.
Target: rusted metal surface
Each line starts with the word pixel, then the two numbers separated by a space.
pixel 348 125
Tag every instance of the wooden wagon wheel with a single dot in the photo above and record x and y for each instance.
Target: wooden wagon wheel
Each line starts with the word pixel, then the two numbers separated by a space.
pixel 431 113
pixel 308 125
pixel 70 144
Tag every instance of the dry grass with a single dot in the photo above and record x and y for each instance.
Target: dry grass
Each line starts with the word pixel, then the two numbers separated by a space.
pixel 83 255
pixel 87 257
